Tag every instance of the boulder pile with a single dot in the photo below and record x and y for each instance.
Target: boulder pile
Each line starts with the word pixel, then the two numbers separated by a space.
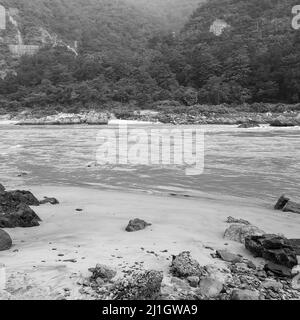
pixel 90 118
pixel 240 279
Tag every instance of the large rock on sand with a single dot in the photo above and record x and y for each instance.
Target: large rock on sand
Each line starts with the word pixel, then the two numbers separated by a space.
pixel 184 266
pixel 15 210
pixel 274 248
pixel 11 199
pixel 137 225
pixel 5 240
pixel 278 270
pixel 282 201
pixel 25 197
pixel 286 205
pixel 145 285
pixel 238 232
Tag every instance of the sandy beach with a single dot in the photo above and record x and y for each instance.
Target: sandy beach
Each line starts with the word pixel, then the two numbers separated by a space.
pixel 47 260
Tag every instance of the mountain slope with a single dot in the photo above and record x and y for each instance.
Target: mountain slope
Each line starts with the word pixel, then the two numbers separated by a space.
pixel 230 51
pixel 97 25
pixel 255 55
pixel 172 13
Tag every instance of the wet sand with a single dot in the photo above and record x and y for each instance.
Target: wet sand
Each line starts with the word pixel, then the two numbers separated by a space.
pixel 48 259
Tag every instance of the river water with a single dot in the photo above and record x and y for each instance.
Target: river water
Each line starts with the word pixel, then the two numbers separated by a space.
pixel 260 163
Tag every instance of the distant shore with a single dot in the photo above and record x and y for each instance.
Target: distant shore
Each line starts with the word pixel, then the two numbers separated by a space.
pixel 242 119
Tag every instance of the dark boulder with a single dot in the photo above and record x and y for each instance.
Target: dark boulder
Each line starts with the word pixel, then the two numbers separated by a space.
pixel 25 197
pixel 295 243
pixel 137 225
pixel 273 248
pixel 15 210
pixel 286 205
pixel 282 201
pixel 52 201
pixel 278 270
pixel 23 217
pixel 10 200
pixel 5 240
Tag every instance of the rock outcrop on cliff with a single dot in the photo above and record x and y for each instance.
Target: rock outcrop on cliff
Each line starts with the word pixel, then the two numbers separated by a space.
pixel 18 38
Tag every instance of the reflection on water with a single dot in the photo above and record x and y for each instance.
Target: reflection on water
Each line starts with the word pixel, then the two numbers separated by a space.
pixel 256 163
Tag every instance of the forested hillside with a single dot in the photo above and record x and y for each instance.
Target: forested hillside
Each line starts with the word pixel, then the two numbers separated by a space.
pixel 230 51
pixel 97 25
pixel 257 58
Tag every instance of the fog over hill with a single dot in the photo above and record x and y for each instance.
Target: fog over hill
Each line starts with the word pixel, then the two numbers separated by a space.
pixel 172 13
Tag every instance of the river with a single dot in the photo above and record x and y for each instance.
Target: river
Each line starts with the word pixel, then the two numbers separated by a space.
pixel 260 163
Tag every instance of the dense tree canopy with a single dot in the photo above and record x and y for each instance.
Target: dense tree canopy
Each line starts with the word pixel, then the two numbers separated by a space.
pixel 255 59
pixel 124 60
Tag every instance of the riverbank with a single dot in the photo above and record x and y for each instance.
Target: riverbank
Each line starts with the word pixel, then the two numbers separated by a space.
pixel 277 116
pixel 88 227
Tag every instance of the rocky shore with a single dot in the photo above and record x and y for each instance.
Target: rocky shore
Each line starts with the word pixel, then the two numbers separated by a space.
pixel 90 118
pixel 242 119
pixel 239 279
pixel 186 279
pixel 268 269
